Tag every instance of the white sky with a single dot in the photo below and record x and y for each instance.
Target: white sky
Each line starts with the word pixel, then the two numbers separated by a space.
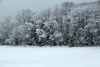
pixel 11 7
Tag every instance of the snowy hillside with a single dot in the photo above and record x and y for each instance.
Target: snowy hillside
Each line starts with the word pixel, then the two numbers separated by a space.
pixel 49 56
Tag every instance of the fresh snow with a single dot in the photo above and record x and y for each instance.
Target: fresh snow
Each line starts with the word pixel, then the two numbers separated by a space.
pixel 49 56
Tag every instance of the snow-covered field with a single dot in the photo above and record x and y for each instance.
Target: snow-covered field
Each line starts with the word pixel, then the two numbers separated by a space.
pixel 49 56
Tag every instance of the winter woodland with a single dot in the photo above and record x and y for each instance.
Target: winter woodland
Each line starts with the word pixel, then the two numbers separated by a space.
pixel 66 25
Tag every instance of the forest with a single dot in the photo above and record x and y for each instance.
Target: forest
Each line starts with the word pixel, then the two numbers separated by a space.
pixel 69 24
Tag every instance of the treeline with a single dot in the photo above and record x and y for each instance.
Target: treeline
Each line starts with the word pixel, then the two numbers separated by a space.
pixel 69 24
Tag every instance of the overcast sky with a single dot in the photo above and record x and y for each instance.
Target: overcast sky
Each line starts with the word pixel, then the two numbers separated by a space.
pixel 11 7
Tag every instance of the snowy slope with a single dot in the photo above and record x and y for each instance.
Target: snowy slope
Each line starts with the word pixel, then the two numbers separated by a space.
pixel 49 56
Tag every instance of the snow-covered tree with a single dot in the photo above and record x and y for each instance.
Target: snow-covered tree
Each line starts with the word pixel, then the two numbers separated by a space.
pixel 69 24
pixel 24 16
pixel 66 7
pixel 18 36
pixel 6 27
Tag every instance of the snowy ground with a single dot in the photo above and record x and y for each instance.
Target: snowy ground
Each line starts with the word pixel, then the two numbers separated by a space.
pixel 49 56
